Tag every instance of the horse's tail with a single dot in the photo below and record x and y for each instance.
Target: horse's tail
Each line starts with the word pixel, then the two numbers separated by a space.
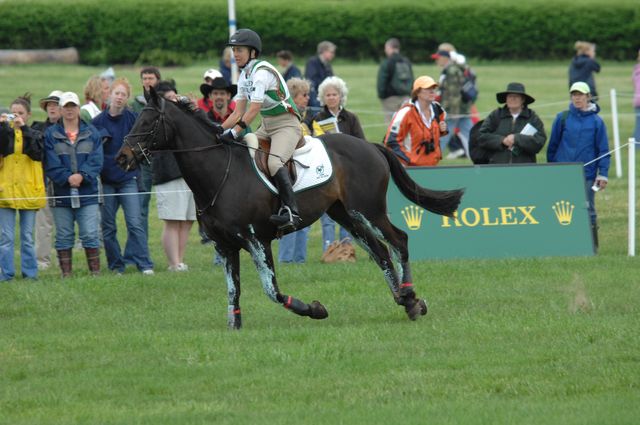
pixel 443 202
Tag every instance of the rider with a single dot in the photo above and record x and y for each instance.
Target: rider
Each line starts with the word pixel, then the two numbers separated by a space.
pixel 262 86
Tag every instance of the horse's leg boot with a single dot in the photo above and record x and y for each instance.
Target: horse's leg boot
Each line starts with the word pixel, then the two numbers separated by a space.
pixel 287 218
pixel 65 257
pixel 93 260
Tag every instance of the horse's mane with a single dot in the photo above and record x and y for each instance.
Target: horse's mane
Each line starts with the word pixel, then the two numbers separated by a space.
pixel 185 105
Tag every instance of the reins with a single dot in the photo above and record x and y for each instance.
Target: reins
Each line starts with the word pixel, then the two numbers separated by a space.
pixel 152 134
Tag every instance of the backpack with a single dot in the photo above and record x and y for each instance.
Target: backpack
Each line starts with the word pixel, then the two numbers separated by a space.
pixel 478 155
pixel 469 90
pixel 402 76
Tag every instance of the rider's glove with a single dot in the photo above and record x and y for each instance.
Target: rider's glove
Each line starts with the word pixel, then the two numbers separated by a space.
pixel 229 136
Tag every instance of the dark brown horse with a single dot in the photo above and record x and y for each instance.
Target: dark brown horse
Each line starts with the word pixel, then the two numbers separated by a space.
pixel 234 205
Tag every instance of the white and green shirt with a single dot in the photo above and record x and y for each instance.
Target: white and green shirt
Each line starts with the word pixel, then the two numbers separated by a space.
pixel 260 82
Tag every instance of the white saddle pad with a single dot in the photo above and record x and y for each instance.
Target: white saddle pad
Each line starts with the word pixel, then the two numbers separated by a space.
pixel 313 166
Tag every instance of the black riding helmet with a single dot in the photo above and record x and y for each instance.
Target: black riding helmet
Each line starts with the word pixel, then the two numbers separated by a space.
pixel 246 37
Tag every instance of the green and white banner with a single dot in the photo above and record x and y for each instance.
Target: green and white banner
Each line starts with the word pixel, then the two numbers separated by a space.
pixel 507 211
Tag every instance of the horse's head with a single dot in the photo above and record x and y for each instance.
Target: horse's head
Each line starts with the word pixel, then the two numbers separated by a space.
pixel 151 131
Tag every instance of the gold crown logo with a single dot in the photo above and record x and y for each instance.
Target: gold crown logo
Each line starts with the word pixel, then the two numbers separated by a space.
pixel 413 216
pixel 564 212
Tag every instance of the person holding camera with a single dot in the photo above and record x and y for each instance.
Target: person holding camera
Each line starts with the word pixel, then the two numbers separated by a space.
pixel 415 130
pixel 22 188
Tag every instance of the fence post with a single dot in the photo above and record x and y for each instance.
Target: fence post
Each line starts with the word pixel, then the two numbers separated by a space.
pixel 616 132
pixel 231 4
pixel 632 197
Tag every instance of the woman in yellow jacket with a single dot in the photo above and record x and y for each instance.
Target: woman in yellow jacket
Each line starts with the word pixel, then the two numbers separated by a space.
pixel 21 188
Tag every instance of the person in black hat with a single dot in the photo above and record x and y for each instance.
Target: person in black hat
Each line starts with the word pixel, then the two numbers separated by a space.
pixel 220 95
pixel 513 133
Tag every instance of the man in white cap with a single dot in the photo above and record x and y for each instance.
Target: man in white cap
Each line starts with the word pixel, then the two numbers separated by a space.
pixel 211 74
pixel 44 217
pixel 205 103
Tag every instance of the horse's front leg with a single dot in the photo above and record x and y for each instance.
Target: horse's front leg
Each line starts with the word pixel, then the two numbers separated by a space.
pixel 231 265
pixel 263 259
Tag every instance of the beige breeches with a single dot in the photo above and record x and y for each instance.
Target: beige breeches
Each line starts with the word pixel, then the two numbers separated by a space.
pixel 284 132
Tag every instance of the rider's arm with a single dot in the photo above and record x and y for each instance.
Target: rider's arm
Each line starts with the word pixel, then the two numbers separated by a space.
pixel 241 106
pixel 250 115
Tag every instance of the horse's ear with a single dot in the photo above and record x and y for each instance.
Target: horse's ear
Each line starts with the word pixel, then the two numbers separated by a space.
pixel 151 96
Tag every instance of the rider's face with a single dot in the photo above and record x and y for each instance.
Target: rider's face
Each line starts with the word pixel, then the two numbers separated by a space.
pixel 241 55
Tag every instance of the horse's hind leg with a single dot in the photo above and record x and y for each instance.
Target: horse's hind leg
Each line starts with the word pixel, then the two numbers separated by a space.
pixel 398 241
pixel 263 259
pixel 370 239
pixel 231 264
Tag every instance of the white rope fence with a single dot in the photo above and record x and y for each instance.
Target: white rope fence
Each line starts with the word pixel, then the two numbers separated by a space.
pixel 615 151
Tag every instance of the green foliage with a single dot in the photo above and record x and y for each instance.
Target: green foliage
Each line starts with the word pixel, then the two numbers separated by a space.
pixel 121 31
pixel 161 57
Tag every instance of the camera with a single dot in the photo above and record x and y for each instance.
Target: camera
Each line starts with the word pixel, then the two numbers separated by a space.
pixel 10 117
pixel 428 146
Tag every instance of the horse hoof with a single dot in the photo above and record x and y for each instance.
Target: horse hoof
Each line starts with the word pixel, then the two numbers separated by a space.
pixel 234 323
pixel 423 307
pixel 317 311
pixel 414 310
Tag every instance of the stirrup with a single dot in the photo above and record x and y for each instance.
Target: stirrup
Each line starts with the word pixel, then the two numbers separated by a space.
pixel 286 220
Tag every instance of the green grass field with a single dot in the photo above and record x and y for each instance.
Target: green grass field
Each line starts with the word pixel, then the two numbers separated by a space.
pixel 515 341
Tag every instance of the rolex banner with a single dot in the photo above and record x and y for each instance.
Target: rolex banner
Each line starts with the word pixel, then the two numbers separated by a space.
pixel 506 211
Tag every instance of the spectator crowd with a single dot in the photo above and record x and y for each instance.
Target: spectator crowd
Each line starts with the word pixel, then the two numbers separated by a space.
pixel 61 173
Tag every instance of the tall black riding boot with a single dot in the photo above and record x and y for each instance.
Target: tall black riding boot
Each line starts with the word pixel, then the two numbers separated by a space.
pixel 287 218
pixel 594 233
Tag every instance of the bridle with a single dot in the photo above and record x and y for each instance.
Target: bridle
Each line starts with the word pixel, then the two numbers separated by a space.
pixel 151 135
pixel 148 136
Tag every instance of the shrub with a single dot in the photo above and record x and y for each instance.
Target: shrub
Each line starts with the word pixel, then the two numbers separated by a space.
pixel 124 31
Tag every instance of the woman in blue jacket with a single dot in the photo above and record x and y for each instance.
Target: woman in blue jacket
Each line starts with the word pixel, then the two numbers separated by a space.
pixel 121 187
pixel 580 135
pixel 73 160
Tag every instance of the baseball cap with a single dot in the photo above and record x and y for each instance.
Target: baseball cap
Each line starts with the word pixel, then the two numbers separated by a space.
pixel 441 53
pixel 580 87
pixel 69 97
pixel 423 82
pixel 212 73
pixel 54 96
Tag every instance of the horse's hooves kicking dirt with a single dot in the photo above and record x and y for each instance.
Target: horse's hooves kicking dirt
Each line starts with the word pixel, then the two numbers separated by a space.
pixel 318 311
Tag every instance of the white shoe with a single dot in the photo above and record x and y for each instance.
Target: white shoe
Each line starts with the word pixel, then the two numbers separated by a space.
pixel 180 267
pixel 148 272
pixel 456 154
pixel 43 266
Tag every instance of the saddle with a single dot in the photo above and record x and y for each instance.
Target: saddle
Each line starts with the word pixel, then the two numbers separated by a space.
pixel 261 157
